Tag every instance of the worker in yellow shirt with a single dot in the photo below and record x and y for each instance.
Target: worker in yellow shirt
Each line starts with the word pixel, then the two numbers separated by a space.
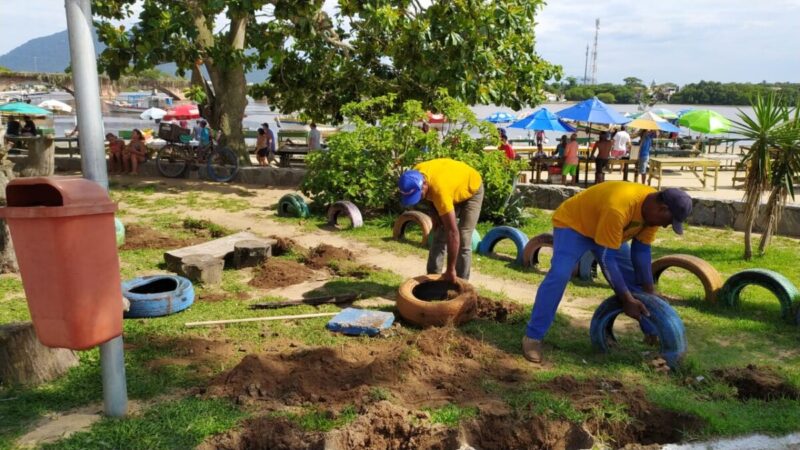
pixel 456 192
pixel 602 219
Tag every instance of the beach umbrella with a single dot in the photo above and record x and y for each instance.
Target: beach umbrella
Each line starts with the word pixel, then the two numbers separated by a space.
pixel 705 121
pixel 543 120
pixel 153 114
pixel 593 111
pixel 684 111
pixel 23 109
pixel 55 105
pixel 436 118
pixel 651 121
pixel 183 112
pixel 500 117
pixel 664 113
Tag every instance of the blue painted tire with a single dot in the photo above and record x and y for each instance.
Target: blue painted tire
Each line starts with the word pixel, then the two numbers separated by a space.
pixel 119 229
pixel 157 295
pixel 587 266
pixel 780 286
pixel 476 240
pixel 663 318
pixel 497 234
pixel 292 205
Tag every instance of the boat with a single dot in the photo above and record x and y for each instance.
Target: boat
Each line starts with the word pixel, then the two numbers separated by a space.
pixel 139 102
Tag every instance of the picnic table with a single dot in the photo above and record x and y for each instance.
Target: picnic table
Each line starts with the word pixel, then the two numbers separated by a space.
pixel 658 164
pixel 69 141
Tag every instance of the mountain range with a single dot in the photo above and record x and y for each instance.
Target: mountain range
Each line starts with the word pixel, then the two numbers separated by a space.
pixel 51 54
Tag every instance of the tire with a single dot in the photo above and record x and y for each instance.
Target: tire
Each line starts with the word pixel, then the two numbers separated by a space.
pixel 119 230
pixel 418 217
pixel 587 267
pixel 780 286
pixel 351 210
pixel 497 234
pixel 476 240
pixel 708 275
pixel 292 205
pixel 222 165
pixel 436 313
pixel 530 255
pixel 663 318
pixel 157 295
pixel 172 161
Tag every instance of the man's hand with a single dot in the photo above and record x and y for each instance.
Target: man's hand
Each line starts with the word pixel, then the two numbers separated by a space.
pixel 449 275
pixel 634 308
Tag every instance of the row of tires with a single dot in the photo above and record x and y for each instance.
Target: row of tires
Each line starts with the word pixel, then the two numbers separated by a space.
pixel 293 205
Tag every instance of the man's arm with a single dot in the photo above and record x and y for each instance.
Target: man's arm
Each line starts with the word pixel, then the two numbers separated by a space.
pixel 642 260
pixel 453 243
pixel 631 306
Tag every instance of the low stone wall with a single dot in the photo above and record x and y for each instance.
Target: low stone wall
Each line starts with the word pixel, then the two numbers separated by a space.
pixel 264 176
pixel 705 212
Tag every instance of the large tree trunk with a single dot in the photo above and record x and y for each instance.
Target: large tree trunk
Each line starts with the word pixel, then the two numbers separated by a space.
pixel 41 160
pixel 24 360
pixel 8 260
pixel 230 100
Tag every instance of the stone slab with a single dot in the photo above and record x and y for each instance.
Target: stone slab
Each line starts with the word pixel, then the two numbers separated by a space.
pixel 219 248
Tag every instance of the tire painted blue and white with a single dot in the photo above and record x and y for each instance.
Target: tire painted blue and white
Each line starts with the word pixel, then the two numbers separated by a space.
pixel 496 234
pixel 157 295
pixel 119 229
pixel 663 318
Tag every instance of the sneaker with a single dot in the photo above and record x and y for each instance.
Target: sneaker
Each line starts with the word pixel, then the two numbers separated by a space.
pixel 532 349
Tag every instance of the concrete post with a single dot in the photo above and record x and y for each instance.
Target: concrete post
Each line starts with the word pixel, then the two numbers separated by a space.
pixel 93 164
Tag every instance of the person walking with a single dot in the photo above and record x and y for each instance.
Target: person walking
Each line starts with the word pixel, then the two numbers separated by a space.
pixel 600 219
pixel 603 148
pixel 622 143
pixel 644 156
pixel 455 191
pixel 262 150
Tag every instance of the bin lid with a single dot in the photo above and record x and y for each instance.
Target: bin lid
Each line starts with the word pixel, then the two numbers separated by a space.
pixel 38 197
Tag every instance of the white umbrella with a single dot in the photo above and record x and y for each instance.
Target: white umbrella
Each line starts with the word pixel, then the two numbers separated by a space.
pixel 153 114
pixel 55 105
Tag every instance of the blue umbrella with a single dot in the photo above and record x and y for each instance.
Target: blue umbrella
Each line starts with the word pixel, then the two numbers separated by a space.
pixel 24 109
pixel 593 111
pixel 500 117
pixel 542 120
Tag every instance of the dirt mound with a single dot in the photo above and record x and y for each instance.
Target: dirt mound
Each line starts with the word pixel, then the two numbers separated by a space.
pixel 277 273
pixel 760 383
pixel 640 423
pixel 271 433
pixel 139 237
pixel 283 245
pixel 319 256
pixel 497 311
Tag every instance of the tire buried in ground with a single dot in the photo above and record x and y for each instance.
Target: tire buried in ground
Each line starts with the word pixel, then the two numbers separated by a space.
pixel 663 318
pixel 418 217
pixel 780 286
pixel 530 255
pixel 349 209
pixel 157 295
pixel 292 205
pixel 708 275
pixel 427 301
pixel 496 234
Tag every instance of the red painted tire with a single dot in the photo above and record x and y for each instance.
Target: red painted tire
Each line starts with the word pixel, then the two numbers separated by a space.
pixel 418 217
pixel 349 209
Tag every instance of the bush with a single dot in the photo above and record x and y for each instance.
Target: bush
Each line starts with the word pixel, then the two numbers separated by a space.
pixel 363 165
pixel 606 97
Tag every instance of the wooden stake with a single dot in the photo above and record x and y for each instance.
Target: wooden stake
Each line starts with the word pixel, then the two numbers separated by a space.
pixel 258 319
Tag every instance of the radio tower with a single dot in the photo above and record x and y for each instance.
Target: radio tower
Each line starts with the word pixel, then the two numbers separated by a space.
pixel 594 51
pixel 586 66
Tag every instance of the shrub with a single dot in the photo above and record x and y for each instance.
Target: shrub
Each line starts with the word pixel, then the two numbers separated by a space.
pixel 363 165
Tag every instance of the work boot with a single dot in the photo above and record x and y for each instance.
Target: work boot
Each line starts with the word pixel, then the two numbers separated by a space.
pixel 532 349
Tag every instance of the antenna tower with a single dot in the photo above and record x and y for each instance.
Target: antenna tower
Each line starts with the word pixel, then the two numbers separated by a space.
pixel 586 67
pixel 594 51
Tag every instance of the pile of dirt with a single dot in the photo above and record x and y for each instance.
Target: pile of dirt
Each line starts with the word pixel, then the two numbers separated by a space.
pixel 753 382
pixel 645 423
pixel 283 245
pixel 320 256
pixel 275 273
pixel 139 237
pixel 497 311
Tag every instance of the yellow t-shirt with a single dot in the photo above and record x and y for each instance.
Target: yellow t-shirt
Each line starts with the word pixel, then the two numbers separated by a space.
pixel 449 182
pixel 610 213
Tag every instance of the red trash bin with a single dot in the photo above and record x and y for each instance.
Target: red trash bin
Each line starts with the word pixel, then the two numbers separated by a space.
pixel 64 238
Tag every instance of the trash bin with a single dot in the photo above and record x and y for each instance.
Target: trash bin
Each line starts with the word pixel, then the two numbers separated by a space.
pixel 64 237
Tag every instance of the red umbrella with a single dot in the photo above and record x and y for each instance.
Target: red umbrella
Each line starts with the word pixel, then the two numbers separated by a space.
pixel 183 112
pixel 436 118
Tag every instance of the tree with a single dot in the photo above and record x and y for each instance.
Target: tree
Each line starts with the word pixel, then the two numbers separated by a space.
pixel 633 82
pixel 606 97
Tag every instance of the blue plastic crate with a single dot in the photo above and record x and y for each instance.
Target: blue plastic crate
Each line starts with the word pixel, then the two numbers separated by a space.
pixel 356 321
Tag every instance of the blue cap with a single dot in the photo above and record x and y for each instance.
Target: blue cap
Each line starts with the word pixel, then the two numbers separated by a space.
pixel 679 204
pixel 410 185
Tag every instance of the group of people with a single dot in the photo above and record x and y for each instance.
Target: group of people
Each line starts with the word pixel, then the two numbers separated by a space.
pixel 125 158
pixel 25 128
pixel 601 219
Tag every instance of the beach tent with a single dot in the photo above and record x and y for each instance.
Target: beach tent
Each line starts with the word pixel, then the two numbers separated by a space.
pixel 55 105
pixel 500 117
pixel 705 121
pixel 23 109
pixel 650 121
pixel 543 120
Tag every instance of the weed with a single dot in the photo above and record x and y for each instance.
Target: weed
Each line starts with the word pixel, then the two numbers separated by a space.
pixel 451 415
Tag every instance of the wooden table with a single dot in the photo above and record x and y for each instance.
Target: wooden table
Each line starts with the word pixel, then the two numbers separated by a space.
pixel 658 164
pixel 69 141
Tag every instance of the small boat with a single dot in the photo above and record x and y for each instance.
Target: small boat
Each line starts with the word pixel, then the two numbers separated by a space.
pixel 139 102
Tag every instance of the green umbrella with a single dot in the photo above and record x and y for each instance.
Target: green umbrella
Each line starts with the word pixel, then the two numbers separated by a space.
pixel 705 121
pixel 23 109
pixel 664 113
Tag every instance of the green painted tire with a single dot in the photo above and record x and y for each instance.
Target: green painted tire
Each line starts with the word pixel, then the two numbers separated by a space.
pixel 780 286
pixel 476 239
pixel 292 205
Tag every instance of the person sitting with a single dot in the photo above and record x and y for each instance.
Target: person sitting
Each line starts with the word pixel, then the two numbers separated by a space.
pixel 506 147
pixel 203 134
pixel 603 148
pixel 134 153
pixel 29 128
pixel 116 147
pixel 13 128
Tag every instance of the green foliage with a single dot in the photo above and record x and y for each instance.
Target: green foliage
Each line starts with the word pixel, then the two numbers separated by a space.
pixel 716 93
pixel 451 415
pixel 363 165
pixel 196 94
pixel 606 97
pixel 319 420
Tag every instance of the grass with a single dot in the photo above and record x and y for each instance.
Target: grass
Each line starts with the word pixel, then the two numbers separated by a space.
pixel 718 337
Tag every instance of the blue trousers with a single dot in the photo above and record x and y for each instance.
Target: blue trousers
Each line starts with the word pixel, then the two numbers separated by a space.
pixel 568 247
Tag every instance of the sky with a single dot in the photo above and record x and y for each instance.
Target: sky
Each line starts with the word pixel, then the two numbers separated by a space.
pixel 680 41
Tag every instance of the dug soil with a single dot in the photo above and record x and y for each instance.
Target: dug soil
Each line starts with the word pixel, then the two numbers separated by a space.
pixel 320 256
pixel 753 382
pixel 277 273
pixel 141 237
pixel 497 311
pixel 390 383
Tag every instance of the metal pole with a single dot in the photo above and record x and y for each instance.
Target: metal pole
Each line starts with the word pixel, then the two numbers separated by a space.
pixel 93 164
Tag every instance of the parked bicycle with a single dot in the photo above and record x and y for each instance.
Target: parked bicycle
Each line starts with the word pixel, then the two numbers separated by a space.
pixel 174 159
